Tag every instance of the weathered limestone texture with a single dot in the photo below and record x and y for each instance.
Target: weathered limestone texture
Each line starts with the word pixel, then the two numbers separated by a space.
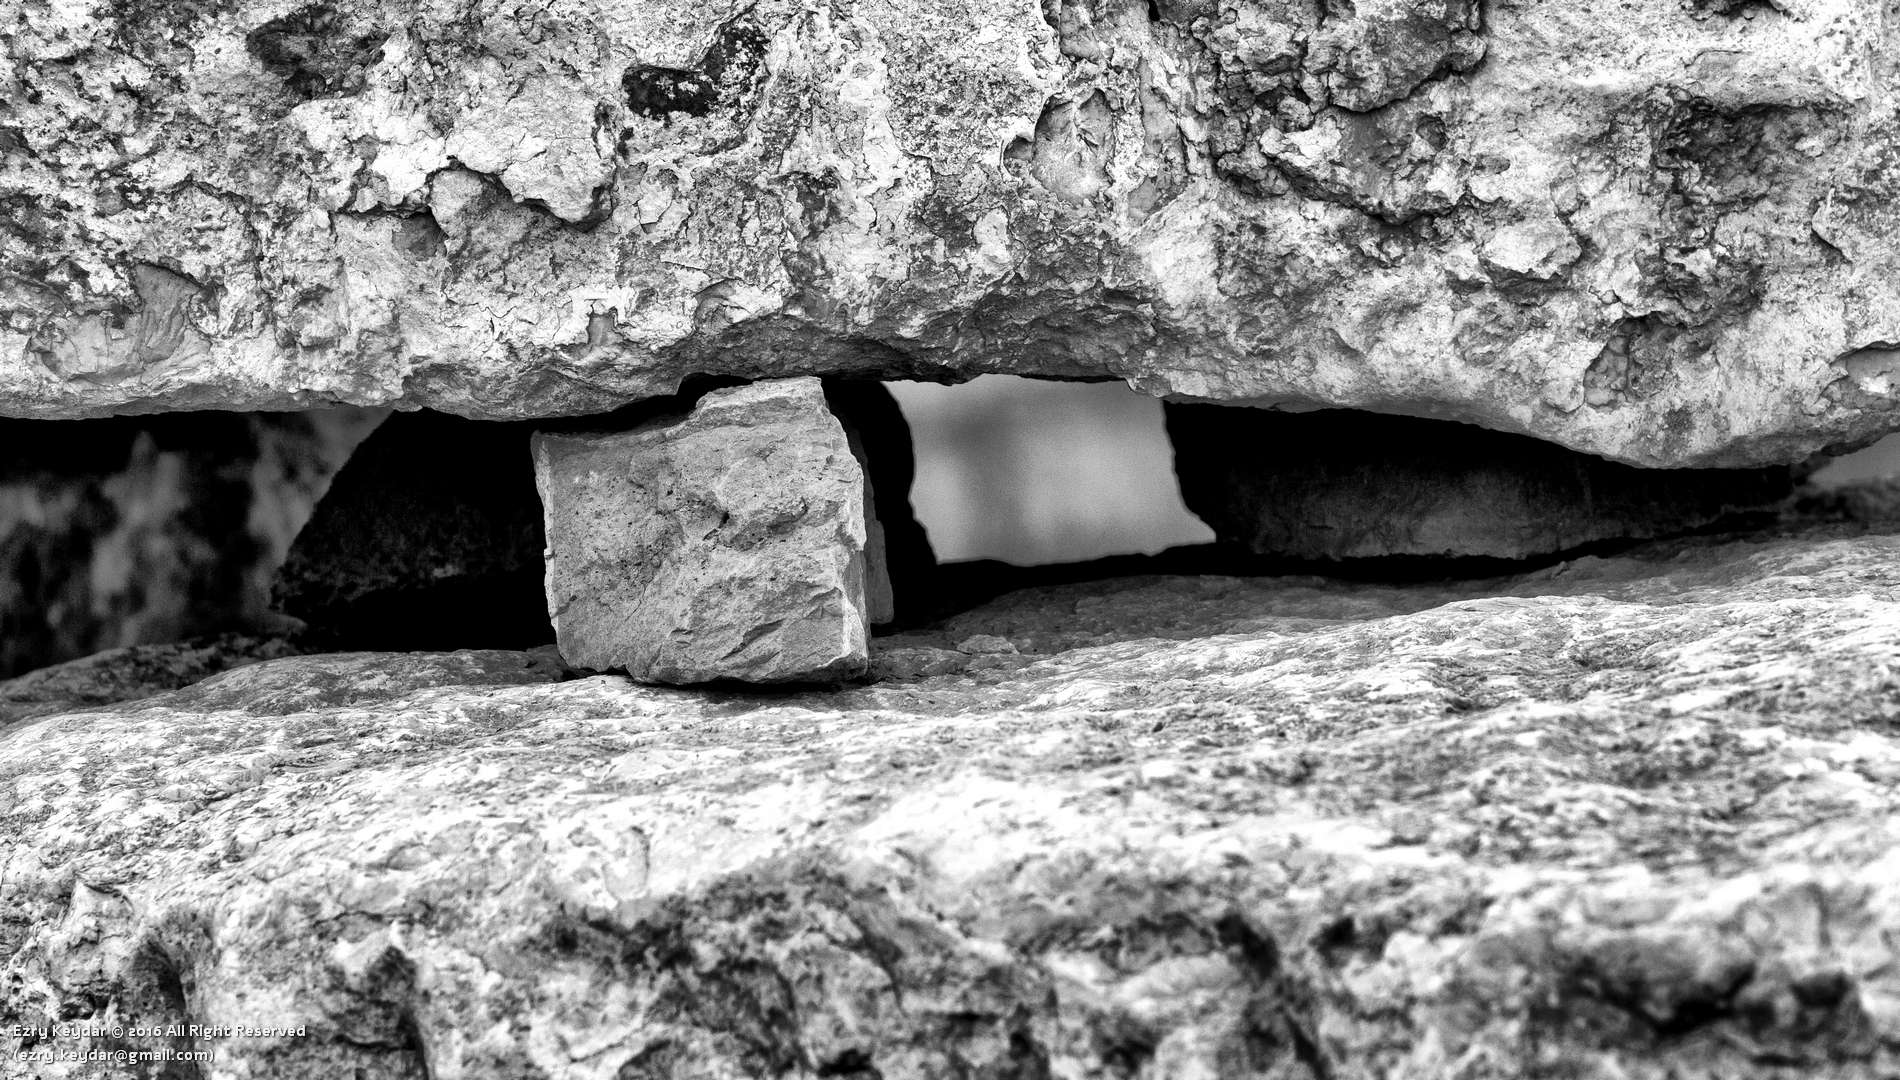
pixel 139 530
pixel 1662 231
pixel 1633 817
pixel 728 543
pixel 429 538
pixel 1339 484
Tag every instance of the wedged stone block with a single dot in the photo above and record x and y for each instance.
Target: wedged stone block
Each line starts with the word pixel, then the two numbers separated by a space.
pixel 1339 484
pixel 728 543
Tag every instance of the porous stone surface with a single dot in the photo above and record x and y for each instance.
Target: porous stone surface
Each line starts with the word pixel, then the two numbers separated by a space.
pixel 429 538
pixel 1659 231
pixel 144 530
pixel 1336 484
pixel 1626 817
pixel 727 543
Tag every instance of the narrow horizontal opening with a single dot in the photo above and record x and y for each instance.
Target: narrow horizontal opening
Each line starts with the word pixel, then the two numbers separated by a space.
pixel 425 534
pixel 1881 461
pixel 1032 472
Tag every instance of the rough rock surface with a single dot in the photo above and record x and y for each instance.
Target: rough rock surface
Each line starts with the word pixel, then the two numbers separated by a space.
pixel 1629 817
pixel 139 530
pixel 130 673
pixel 429 538
pixel 1336 484
pixel 1659 231
pixel 728 543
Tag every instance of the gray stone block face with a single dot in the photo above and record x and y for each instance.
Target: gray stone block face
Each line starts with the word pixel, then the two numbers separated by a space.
pixel 728 543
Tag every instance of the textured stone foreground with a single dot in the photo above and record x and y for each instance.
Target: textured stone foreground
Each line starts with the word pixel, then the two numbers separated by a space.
pixel 1662 232
pixel 1626 817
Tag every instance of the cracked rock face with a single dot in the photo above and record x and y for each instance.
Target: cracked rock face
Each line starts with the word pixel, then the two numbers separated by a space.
pixel 1631 817
pixel 1350 485
pixel 1660 232
pixel 729 543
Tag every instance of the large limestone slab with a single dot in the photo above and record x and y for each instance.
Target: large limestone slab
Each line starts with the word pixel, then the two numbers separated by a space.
pixel 728 543
pixel 1659 231
pixel 1349 485
pixel 1634 818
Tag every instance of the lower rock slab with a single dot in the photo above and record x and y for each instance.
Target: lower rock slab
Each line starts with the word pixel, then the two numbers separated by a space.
pixel 1631 817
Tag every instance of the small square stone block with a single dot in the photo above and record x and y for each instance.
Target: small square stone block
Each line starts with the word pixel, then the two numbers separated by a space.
pixel 728 543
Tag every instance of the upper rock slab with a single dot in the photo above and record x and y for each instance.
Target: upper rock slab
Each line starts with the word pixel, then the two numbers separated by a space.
pixel 1657 231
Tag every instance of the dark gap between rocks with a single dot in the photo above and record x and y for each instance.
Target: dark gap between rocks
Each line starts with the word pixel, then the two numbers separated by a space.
pixel 1034 471
pixel 431 537
pixel 1878 461
pixel 1343 485
pixel 1340 493
pixel 133 531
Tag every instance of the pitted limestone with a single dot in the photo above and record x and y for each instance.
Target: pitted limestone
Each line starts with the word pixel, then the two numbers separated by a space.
pixel 1659 232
